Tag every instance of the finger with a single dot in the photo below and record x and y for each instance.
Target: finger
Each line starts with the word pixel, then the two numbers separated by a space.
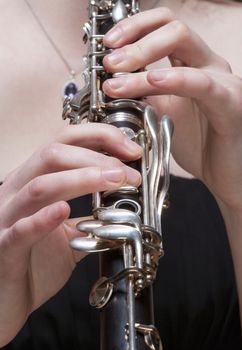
pixel 46 189
pixel 130 86
pixel 56 157
pixel 218 95
pixel 25 233
pixel 197 84
pixel 59 157
pixel 180 81
pixel 201 85
pixel 175 39
pixel 100 137
pixel 137 26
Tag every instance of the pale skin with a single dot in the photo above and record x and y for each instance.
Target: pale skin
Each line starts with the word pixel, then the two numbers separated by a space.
pixel 201 95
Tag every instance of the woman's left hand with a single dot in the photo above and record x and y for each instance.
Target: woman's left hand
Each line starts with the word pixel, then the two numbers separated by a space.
pixel 199 92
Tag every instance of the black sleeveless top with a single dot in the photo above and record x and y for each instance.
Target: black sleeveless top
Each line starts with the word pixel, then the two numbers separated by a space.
pixel 196 305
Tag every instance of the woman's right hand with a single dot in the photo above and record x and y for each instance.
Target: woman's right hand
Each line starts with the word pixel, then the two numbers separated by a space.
pixel 35 257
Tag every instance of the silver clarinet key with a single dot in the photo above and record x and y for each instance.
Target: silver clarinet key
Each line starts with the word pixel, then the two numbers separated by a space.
pixel 119 11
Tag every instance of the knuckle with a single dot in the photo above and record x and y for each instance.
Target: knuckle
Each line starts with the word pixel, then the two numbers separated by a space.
pixel 36 188
pixel 50 154
pixel 181 29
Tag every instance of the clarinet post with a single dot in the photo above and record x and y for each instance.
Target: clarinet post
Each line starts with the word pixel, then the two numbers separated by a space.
pixel 126 229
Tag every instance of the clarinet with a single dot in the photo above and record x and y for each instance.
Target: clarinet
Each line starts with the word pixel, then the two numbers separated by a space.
pixel 126 229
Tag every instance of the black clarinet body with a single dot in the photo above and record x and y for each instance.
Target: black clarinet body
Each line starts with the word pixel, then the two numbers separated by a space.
pixel 126 229
pixel 114 317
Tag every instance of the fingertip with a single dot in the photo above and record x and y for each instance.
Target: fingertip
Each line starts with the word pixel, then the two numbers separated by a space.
pixel 58 211
pixel 134 150
pixel 107 64
pixel 133 177
pixel 125 175
pixel 113 38
pixel 107 88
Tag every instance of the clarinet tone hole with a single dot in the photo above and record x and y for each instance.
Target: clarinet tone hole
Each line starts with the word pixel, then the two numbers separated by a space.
pixel 128 204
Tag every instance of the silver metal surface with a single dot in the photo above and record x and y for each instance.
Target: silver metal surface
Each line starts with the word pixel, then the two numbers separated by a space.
pixel 124 233
pixel 88 225
pixel 133 205
pixel 144 166
pixel 120 216
pixel 130 133
pixel 131 301
pixel 101 293
pixel 166 130
pixel 151 336
pixel 119 117
pixel 122 190
pixel 93 245
pixel 153 128
pixel 119 11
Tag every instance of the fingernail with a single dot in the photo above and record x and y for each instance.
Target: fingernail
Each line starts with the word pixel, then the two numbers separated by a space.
pixel 133 176
pixel 115 57
pixel 132 146
pixel 115 83
pixel 114 175
pixel 158 75
pixel 113 36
